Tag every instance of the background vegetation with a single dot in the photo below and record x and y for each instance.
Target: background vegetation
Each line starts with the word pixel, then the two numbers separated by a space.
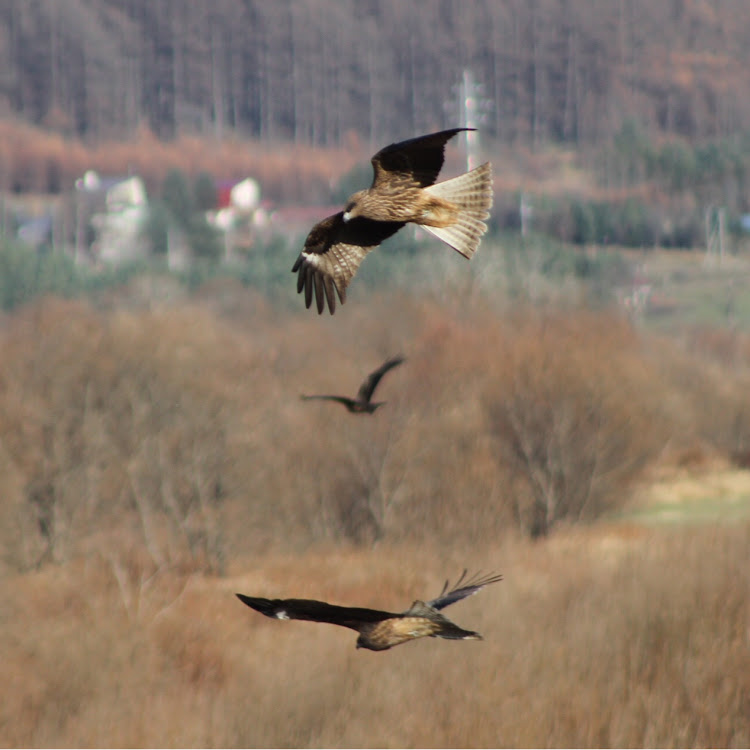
pixel 153 455
pixel 623 636
pixel 168 422
pixel 313 72
pixel 615 136
pixel 572 411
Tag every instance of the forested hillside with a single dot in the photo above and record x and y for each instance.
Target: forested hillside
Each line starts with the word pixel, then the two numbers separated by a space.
pixel 315 71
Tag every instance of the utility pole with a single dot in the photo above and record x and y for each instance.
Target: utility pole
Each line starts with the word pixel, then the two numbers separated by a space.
pixel 715 233
pixel 473 109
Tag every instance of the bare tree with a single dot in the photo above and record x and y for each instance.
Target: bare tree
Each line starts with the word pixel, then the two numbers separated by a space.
pixel 568 424
pixel 313 70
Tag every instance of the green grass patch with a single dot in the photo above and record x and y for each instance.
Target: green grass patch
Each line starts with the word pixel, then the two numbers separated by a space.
pixel 709 509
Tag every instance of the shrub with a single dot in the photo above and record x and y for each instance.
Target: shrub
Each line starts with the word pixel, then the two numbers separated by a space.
pixel 676 163
pixel 112 423
pixel 584 222
pixel 177 198
pixel 204 192
pixel 569 409
pixel 631 223
pixel 156 228
pixel 204 239
pixel 26 273
pixel 186 210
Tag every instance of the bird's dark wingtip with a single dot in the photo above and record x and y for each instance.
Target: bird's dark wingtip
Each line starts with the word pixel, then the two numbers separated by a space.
pixel 456 131
pixel 267 607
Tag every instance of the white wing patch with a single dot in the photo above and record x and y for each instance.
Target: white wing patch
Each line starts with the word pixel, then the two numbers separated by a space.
pixel 281 614
pixel 339 263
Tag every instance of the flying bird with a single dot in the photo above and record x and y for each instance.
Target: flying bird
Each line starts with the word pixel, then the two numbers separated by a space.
pixel 403 191
pixel 380 630
pixel 363 404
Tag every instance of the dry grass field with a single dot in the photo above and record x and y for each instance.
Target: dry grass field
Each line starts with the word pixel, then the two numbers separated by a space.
pixel 609 636
pixel 154 461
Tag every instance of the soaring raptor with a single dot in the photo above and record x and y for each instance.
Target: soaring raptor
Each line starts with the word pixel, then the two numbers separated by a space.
pixel 379 630
pixel 403 191
pixel 363 403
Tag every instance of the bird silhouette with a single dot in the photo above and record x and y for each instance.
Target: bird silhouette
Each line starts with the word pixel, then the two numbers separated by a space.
pixel 363 403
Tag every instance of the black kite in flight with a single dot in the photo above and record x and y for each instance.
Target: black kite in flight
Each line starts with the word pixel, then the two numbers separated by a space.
pixel 362 404
pixel 403 190
pixel 379 630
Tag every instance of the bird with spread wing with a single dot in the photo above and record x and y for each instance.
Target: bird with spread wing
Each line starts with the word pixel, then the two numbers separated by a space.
pixel 363 403
pixel 378 630
pixel 403 191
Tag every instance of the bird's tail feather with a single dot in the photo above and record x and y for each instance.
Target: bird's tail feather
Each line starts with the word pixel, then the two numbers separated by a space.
pixel 471 193
pixel 443 627
pixel 454 633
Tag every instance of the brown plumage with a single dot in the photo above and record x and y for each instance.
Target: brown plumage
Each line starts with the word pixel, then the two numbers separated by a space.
pixel 363 403
pixel 379 630
pixel 403 191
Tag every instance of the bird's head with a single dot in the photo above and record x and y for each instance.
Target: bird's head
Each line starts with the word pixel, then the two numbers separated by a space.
pixel 363 642
pixel 353 206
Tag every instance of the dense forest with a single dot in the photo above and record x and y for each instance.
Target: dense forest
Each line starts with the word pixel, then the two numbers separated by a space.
pixel 317 71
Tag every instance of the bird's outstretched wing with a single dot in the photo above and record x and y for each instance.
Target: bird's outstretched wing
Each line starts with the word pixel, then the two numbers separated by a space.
pixel 371 383
pixel 348 402
pixel 315 611
pixel 332 254
pixel 462 588
pixel 417 161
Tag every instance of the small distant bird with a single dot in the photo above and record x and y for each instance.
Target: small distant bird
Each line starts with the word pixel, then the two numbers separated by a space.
pixel 403 191
pixel 379 630
pixel 362 404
